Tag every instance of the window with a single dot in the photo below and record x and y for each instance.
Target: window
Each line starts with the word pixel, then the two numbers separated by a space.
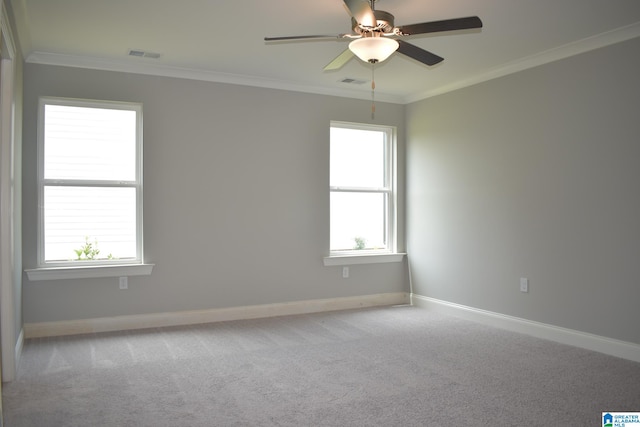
pixel 90 183
pixel 362 194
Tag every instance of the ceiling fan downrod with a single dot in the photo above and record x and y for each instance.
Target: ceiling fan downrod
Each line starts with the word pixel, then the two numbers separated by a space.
pixel 373 92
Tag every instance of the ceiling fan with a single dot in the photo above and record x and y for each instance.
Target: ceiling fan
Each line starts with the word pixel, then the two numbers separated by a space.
pixel 375 37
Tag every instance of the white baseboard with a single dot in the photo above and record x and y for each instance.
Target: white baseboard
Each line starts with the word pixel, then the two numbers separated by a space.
pixel 10 375
pixel 19 345
pixel 610 346
pixel 156 320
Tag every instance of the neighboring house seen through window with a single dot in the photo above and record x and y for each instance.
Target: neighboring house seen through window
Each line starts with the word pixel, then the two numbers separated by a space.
pixel 362 189
pixel 90 182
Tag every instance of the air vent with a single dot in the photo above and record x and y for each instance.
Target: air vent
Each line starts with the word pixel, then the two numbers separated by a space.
pixel 350 81
pixel 143 54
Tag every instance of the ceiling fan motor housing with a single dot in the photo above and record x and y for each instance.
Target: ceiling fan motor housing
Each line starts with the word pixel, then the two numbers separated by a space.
pixel 384 22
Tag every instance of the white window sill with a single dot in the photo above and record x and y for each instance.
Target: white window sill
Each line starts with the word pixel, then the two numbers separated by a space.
pixel 89 272
pixel 351 259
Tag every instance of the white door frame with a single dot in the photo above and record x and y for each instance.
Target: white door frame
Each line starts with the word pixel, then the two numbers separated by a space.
pixel 7 309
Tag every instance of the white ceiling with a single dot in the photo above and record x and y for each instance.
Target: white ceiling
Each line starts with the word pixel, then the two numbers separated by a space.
pixel 222 41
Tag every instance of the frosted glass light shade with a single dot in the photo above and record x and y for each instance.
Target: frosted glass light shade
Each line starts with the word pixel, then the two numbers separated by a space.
pixel 373 49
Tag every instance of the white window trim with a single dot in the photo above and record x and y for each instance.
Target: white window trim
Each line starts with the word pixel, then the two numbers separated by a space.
pixel 353 259
pixel 374 256
pixel 89 269
pixel 88 272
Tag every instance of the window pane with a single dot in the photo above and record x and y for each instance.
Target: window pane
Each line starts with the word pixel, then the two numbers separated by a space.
pixel 358 217
pixel 357 158
pixel 89 143
pixel 103 215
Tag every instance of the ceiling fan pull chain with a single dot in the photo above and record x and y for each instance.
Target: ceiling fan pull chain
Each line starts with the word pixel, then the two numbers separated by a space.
pixel 373 93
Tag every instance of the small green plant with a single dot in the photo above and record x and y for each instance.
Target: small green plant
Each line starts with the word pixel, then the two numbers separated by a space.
pixel 361 243
pixel 88 250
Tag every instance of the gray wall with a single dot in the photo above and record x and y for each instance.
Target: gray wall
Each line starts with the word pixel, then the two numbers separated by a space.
pixel 236 201
pixel 533 175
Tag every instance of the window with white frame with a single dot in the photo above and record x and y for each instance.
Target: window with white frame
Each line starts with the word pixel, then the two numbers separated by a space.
pixel 362 189
pixel 90 182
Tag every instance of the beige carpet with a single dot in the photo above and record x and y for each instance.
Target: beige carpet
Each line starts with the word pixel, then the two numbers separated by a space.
pixel 394 366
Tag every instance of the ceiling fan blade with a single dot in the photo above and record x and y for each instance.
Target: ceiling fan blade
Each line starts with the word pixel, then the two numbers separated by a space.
pixel 339 60
pixel 418 53
pixel 361 12
pixel 445 25
pixel 319 36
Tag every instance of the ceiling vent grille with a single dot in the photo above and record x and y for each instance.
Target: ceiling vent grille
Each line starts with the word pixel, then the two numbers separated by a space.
pixel 350 81
pixel 143 54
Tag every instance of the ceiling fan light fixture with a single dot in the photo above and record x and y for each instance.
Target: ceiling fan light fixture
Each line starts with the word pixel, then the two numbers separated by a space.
pixel 373 49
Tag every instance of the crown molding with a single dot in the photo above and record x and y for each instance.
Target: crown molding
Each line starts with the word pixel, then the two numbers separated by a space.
pixel 21 19
pixel 7 33
pixel 142 67
pixel 570 49
pixel 561 52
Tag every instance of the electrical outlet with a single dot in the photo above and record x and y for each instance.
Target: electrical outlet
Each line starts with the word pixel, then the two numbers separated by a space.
pixel 524 284
pixel 124 283
pixel 345 272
